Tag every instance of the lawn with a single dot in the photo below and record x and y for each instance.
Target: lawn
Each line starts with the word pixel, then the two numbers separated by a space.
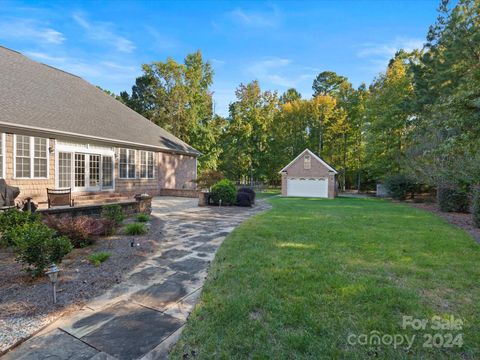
pixel 267 193
pixel 309 277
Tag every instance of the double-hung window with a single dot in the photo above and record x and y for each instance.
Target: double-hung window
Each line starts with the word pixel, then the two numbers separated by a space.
pixel 147 164
pixel 127 164
pixel 31 157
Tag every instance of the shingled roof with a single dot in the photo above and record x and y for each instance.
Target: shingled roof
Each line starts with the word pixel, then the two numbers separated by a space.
pixel 39 97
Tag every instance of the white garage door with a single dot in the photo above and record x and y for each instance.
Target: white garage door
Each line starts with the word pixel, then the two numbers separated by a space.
pixel 307 187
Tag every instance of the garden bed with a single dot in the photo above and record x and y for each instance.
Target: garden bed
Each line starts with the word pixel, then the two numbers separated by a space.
pixel 26 304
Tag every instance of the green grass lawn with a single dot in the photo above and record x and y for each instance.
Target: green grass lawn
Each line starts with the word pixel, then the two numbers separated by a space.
pixel 267 193
pixel 298 280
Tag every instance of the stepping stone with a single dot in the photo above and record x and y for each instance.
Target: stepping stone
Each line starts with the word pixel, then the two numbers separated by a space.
pixel 190 265
pixel 158 296
pixel 147 274
pixel 133 331
pixel 206 248
pixel 201 238
pixel 53 345
pixel 175 254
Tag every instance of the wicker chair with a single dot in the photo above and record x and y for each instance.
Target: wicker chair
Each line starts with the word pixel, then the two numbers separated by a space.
pixel 60 197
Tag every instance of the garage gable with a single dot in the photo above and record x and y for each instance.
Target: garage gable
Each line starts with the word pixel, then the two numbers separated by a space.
pixel 308 164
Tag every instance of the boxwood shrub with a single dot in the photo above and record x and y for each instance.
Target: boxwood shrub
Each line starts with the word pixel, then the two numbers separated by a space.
pixel 224 190
pixel 399 185
pixel 452 199
pixel 37 246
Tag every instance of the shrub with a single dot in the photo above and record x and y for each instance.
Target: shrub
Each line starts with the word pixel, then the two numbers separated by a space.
pixel 113 212
pixel 98 258
pixel 224 190
pixel 135 229
pixel 476 208
pixel 37 247
pixel 142 218
pixel 452 199
pixel 81 229
pixel 10 220
pixel 399 185
pixel 244 199
pixel 248 191
pixel 208 178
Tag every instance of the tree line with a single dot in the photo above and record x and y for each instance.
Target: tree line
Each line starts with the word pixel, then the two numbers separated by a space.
pixel 420 117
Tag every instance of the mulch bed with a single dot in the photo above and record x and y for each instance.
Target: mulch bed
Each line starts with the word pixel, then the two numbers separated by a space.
pixel 28 302
pixel 461 220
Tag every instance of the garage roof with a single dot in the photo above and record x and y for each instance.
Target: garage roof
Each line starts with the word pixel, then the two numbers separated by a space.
pixel 312 154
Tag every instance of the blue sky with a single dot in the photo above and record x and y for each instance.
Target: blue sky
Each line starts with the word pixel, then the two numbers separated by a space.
pixel 280 43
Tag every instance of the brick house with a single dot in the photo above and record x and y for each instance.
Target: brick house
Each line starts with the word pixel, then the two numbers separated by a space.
pixel 309 176
pixel 59 131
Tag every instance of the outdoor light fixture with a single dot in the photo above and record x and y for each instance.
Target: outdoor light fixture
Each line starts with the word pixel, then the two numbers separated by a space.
pixel 52 273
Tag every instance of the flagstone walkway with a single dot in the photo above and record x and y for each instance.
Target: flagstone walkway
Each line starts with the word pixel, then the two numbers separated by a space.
pixel 142 317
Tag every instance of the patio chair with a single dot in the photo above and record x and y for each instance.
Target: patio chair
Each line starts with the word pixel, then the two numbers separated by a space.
pixel 60 197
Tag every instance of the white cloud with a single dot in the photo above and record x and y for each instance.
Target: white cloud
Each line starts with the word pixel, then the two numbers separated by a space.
pixel 270 18
pixel 105 73
pixel 30 30
pixel 385 51
pixel 280 72
pixel 100 31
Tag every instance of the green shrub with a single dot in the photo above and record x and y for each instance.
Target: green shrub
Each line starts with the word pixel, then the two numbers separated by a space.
pixel 37 246
pixel 142 218
pixel 98 258
pixel 135 229
pixel 10 220
pixel 399 185
pixel 114 213
pixel 224 190
pixel 452 199
pixel 476 208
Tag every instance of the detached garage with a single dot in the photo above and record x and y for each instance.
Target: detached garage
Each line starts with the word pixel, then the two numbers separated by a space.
pixel 309 176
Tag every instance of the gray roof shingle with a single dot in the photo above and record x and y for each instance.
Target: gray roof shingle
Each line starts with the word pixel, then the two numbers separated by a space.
pixel 38 96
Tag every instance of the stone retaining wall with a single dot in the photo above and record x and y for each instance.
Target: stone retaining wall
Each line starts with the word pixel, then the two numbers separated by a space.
pixel 141 205
pixel 180 193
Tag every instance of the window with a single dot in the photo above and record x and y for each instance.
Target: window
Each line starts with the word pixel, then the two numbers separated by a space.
pixel 40 159
pixel 127 164
pixel 80 170
pixel 94 167
pixel 146 165
pixel 31 157
pixel 107 172
pixel 64 170
pixel 2 155
pixel 307 162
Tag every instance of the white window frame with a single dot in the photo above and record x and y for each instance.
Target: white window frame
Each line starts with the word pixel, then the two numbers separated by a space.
pixel 3 149
pixel 32 157
pixel 147 153
pixel 129 152
pixel 87 149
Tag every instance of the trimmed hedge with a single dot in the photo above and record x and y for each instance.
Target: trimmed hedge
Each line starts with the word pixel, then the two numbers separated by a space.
pixel 224 190
pixel 250 192
pixel 452 200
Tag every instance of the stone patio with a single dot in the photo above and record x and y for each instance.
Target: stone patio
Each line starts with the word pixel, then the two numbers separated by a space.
pixel 142 317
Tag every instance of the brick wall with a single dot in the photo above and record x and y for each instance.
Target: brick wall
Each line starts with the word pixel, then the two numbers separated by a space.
pixel 177 171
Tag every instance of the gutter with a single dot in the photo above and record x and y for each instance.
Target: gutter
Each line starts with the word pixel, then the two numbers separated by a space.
pixel 48 132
